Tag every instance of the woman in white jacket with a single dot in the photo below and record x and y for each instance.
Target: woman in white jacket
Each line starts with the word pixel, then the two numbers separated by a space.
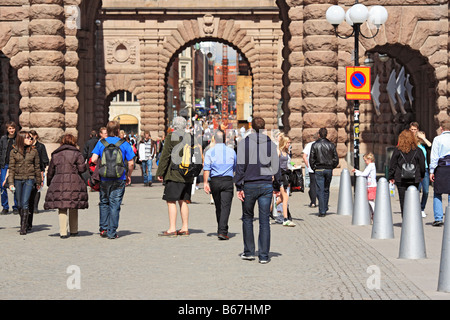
pixel 370 172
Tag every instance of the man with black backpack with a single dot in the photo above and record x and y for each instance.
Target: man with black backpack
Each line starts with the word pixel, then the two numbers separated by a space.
pixel 178 169
pixel 115 165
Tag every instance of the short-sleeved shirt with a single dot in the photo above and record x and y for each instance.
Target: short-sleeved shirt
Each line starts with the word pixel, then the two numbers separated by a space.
pixel 307 151
pixel 127 153
pixel 220 160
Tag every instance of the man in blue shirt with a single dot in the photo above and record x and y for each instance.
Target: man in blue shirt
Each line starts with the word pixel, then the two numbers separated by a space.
pixel 220 164
pixel 112 189
pixel 440 171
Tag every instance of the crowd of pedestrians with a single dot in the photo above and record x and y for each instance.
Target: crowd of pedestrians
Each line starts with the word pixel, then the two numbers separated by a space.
pixel 254 163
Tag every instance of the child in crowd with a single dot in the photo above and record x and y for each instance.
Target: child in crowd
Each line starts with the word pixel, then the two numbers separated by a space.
pixel 371 173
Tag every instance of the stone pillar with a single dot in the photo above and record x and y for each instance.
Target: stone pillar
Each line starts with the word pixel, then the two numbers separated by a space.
pixel 152 105
pixel 319 87
pixel 71 103
pixel 47 66
pixel 295 76
pixel 267 80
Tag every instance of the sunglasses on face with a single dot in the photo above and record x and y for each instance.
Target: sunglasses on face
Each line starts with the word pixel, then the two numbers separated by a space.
pixel 29 138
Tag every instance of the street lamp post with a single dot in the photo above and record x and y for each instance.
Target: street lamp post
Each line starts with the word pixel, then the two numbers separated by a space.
pixel 355 17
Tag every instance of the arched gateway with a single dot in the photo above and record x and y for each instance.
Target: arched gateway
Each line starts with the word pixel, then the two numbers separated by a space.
pixel 70 55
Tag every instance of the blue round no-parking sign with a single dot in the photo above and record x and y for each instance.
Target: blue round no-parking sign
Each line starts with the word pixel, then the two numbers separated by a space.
pixel 358 79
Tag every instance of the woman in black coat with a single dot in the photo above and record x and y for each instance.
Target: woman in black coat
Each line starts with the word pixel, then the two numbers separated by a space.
pixel 35 194
pixel 407 151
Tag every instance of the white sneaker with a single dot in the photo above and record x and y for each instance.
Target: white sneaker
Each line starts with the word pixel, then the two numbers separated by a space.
pixel 424 214
pixel 288 223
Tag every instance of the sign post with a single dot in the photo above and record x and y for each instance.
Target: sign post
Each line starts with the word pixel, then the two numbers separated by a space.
pixel 357 87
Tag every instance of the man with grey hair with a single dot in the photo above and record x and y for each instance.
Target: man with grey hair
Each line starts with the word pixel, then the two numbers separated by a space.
pixel 220 164
pixel 176 186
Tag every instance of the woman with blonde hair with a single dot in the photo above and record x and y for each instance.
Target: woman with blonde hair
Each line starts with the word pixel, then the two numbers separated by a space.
pixel 406 152
pixel 285 159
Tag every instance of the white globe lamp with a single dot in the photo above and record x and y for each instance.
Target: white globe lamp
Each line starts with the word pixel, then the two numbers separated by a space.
pixel 335 15
pixel 378 15
pixel 359 13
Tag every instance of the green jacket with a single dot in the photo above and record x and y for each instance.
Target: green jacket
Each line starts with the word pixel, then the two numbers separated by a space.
pixel 165 161
pixel 24 167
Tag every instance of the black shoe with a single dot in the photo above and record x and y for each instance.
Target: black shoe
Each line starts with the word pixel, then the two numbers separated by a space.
pixel 64 237
pixel 15 211
pixel 223 237
pixel 4 212
pixel 322 214
pixel 437 223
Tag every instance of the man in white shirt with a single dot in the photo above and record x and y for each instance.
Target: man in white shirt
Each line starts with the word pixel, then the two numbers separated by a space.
pixel 440 171
pixel 312 178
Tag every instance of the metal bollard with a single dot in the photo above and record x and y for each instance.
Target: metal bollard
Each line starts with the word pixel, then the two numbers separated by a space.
pixel 361 211
pixel 444 269
pixel 412 240
pixel 345 200
pixel 383 227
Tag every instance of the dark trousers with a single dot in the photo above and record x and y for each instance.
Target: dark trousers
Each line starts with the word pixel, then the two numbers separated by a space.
pixel 222 192
pixel 312 188
pixel 323 181
pixel 402 186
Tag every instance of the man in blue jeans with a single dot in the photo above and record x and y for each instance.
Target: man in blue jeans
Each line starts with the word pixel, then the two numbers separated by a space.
pixel 112 190
pixel 440 171
pixel 258 177
pixel 323 159
pixel 6 143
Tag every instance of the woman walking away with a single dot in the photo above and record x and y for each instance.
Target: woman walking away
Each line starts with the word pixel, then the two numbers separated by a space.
pixel 406 153
pixel 67 191
pixel 23 174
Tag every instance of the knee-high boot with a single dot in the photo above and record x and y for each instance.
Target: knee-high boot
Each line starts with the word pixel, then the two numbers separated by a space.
pixel 24 222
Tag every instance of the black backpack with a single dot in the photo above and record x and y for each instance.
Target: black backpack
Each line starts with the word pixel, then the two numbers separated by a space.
pixel 111 163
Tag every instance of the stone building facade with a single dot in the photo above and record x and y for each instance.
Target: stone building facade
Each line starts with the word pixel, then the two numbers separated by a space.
pixel 65 58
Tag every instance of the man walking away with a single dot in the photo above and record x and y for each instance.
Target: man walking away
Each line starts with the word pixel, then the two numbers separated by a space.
pixel 220 164
pixel 112 189
pixel 323 159
pixel 257 178
pixel 440 171
pixel 90 145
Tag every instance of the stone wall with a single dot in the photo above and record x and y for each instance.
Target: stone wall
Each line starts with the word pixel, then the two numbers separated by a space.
pixel 57 66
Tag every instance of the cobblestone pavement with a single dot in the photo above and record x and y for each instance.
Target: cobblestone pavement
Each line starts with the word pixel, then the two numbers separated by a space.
pixel 320 258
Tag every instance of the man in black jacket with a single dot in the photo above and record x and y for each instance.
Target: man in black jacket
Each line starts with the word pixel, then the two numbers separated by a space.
pixel 6 143
pixel 323 159
pixel 257 165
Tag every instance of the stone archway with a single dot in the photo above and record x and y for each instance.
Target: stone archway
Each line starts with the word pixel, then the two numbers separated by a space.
pixel 417 37
pixel 208 67
pixel 416 81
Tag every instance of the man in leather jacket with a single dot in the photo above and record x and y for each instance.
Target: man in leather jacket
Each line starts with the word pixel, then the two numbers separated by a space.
pixel 323 159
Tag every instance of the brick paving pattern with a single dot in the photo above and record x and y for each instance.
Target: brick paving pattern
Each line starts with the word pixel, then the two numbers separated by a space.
pixel 318 259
